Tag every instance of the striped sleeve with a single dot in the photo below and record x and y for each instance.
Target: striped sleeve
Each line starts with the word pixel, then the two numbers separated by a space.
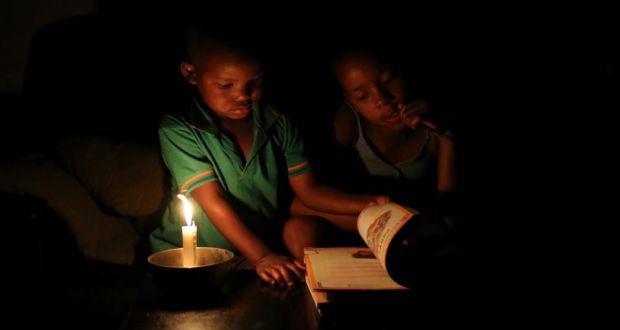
pixel 197 180
pixel 298 168
pixel 293 147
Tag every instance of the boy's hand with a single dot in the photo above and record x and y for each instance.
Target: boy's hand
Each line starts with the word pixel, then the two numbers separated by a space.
pixel 282 270
pixel 411 114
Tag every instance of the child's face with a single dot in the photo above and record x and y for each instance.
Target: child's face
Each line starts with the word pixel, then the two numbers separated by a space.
pixel 372 89
pixel 228 83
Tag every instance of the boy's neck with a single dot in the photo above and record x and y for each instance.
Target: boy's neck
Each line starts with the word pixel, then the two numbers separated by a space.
pixel 241 133
pixel 237 126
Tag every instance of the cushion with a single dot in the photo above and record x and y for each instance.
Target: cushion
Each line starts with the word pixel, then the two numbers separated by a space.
pixel 127 178
pixel 99 236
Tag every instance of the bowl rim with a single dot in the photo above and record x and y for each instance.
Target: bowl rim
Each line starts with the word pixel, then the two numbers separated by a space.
pixel 229 256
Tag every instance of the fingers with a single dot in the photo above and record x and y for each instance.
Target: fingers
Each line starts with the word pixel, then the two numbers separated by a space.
pixel 414 121
pixel 280 275
pixel 287 279
pixel 299 264
pixel 264 275
pixel 296 270
pixel 378 200
pixel 383 199
pixel 413 109
pixel 271 276
pixel 280 270
pixel 429 123
pixel 277 275
pixel 411 119
pixel 411 114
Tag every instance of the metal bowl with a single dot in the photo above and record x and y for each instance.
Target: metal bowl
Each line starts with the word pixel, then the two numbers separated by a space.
pixel 200 283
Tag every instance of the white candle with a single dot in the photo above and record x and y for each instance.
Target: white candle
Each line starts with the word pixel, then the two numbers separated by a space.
pixel 189 234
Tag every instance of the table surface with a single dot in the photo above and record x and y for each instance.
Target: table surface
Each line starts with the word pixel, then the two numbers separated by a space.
pixel 248 303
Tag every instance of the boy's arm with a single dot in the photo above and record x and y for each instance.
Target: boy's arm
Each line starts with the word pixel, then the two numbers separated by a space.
pixel 269 266
pixel 327 200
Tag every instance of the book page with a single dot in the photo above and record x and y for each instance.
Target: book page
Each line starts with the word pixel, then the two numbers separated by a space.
pixel 347 268
pixel 378 224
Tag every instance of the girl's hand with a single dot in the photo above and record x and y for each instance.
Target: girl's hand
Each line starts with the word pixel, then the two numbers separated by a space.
pixel 282 270
pixel 378 200
pixel 411 114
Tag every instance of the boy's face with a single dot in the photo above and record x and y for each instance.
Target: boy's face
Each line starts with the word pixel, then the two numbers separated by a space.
pixel 230 84
pixel 372 89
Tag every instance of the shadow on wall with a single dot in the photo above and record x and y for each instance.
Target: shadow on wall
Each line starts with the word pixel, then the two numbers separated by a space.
pixel 517 81
pixel 98 76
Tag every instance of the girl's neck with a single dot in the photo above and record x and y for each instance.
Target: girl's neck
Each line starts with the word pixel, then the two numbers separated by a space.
pixel 386 136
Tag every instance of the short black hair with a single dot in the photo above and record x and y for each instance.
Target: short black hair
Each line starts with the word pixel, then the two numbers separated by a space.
pixel 217 32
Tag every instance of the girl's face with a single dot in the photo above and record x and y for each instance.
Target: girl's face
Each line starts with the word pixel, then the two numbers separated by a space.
pixel 230 85
pixel 372 89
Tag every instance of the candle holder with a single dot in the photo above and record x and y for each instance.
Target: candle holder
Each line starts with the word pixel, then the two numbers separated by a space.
pixel 199 284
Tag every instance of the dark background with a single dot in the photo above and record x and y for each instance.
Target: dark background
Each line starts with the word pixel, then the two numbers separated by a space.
pixel 530 87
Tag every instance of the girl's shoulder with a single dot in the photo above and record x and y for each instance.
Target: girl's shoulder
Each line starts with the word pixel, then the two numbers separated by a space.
pixel 439 139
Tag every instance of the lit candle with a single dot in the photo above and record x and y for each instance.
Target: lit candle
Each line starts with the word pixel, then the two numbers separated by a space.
pixel 189 234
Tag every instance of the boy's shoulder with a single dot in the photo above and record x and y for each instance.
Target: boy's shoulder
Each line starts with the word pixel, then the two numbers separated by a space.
pixel 270 116
pixel 169 121
pixel 185 115
pixel 173 121
pixel 179 112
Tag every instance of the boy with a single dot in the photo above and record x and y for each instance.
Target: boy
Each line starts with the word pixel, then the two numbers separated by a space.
pixel 232 155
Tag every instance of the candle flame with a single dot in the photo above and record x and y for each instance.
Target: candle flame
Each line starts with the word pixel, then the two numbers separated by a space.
pixel 187 209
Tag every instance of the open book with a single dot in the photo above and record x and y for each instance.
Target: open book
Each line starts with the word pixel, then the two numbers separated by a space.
pixel 377 269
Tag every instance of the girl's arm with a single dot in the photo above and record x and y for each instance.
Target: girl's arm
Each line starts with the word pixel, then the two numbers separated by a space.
pixel 446 176
pixel 270 267
pixel 446 169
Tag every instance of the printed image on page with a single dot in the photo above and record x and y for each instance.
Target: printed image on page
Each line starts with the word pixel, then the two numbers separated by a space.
pixel 378 224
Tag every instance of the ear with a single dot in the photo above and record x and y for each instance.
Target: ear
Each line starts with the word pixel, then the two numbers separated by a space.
pixel 188 71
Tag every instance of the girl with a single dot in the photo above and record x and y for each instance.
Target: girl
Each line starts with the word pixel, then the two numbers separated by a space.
pixel 401 154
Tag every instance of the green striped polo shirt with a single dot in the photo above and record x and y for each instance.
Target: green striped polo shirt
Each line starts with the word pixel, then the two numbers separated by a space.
pixel 197 152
